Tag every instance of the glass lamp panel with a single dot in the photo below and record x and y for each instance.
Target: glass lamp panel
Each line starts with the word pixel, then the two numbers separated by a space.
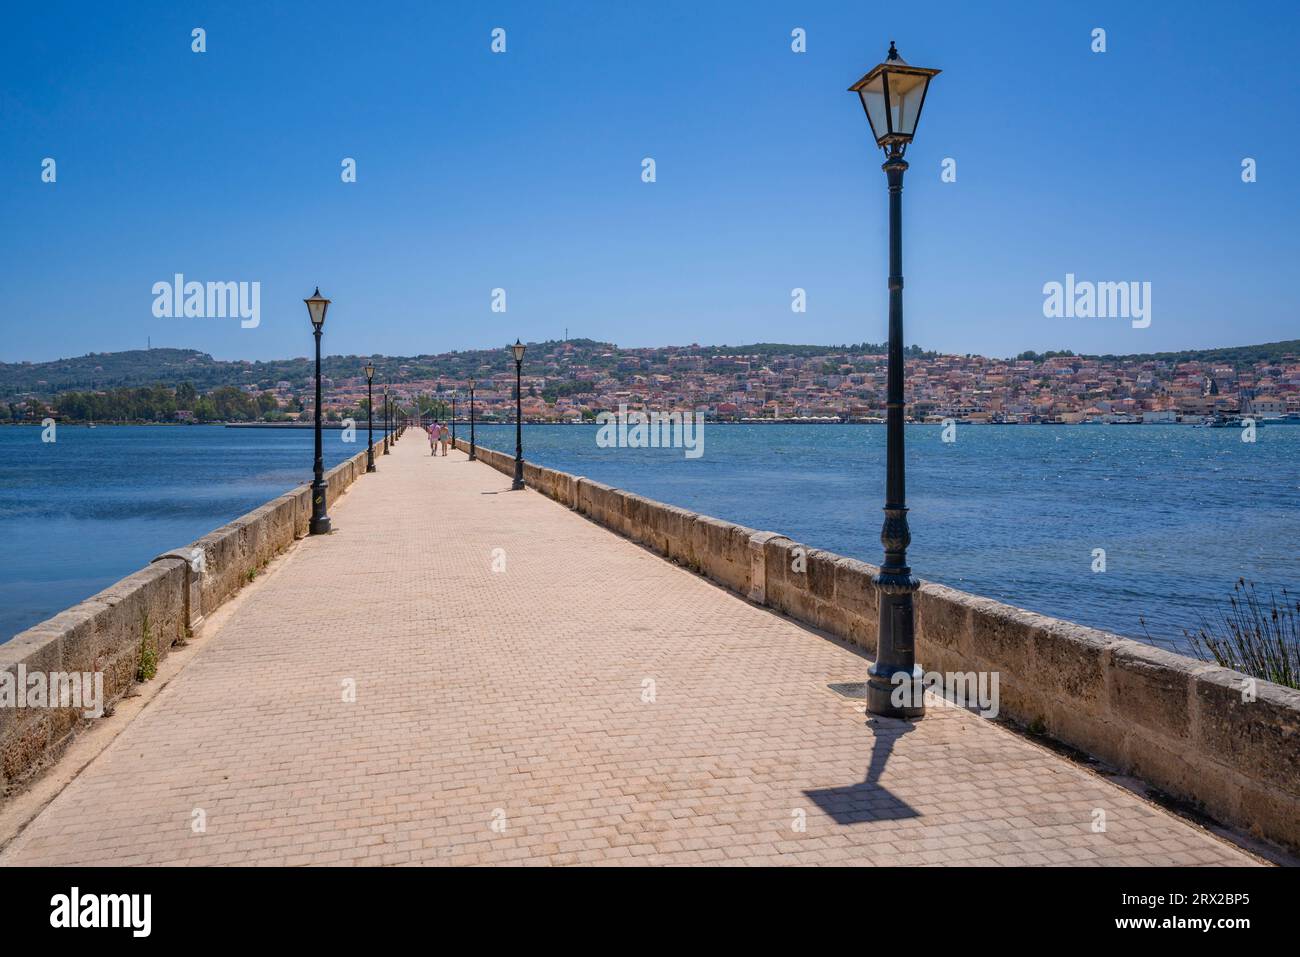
pixel 873 100
pixel 906 91
pixel 316 309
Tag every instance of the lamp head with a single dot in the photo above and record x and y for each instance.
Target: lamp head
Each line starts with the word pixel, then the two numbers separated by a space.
pixel 892 95
pixel 316 307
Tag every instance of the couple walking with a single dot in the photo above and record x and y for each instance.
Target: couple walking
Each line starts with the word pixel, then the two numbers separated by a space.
pixel 438 435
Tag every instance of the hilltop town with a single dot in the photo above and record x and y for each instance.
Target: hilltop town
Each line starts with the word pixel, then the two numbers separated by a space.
pixel 573 380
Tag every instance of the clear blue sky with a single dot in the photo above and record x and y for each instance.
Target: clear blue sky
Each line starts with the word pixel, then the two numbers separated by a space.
pixel 522 171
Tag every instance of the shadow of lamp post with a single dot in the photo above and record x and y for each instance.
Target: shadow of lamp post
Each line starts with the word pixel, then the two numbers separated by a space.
pixel 320 521
pixel 892 95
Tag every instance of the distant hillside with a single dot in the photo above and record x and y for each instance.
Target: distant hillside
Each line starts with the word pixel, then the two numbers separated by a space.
pixel 1233 355
pixel 110 370
pixel 172 367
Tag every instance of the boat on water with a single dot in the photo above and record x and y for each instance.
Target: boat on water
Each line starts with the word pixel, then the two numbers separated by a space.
pixel 1233 421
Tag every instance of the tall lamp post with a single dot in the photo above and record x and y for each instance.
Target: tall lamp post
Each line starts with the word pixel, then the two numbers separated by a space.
pixel 370 417
pixel 518 350
pixel 453 418
pixel 892 95
pixel 320 521
pixel 385 418
pixel 473 452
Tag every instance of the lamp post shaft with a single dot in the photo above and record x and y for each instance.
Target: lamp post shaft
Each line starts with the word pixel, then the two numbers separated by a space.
pixel 385 420
pixel 473 452
pixel 894 688
pixel 453 420
pixel 320 521
pixel 519 426
pixel 370 425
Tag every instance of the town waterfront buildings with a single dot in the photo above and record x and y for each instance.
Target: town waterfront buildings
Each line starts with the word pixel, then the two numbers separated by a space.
pixel 574 381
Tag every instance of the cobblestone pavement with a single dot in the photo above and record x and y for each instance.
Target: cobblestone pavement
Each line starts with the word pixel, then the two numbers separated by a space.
pixel 530 688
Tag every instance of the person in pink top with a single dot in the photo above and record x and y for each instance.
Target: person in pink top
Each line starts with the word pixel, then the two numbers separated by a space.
pixel 433 438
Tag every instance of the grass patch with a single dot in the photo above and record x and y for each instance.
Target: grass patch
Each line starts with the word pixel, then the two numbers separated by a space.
pixel 148 655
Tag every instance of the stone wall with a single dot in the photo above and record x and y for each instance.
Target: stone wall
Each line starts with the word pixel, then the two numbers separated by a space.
pixel 158 606
pixel 1180 724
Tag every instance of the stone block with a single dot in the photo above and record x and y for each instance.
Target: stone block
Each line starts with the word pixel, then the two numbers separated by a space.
pixel 1260 737
pixel 1151 688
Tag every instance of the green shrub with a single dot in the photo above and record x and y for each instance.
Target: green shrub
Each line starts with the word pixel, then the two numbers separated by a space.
pixel 1258 639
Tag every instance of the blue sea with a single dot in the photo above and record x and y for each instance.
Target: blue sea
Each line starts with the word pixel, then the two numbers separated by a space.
pixel 79 513
pixel 1010 512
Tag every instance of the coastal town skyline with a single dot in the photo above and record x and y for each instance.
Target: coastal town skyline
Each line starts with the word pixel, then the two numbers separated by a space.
pixel 572 381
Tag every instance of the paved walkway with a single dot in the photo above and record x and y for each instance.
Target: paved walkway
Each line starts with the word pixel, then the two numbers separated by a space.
pixel 531 688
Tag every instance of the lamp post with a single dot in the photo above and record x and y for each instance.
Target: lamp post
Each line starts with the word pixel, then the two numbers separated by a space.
pixel 370 417
pixel 518 350
pixel 892 95
pixel 453 418
pixel 385 418
pixel 320 521
pixel 473 452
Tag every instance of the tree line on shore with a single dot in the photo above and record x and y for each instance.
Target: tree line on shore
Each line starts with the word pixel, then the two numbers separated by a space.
pixel 159 403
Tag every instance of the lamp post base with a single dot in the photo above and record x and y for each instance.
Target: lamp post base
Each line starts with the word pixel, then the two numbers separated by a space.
pixel 320 522
pixel 896 694
pixel 895 688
